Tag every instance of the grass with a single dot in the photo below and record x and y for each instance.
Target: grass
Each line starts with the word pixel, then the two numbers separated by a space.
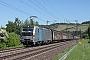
pixel 81 52
pixel 21 45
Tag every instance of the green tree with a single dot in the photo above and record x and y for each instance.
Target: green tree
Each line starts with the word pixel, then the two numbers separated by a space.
pixel 14 26
pixel 27 22
pixel 17 25
pixel 89 32
pixel 37 24
pixel 17 22
pixel 10 27
pixel 22 23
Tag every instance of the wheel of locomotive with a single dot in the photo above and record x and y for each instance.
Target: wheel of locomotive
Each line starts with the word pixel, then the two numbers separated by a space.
pixel 46 42
pixel 40 43
pixel 33 44
pixel 50 42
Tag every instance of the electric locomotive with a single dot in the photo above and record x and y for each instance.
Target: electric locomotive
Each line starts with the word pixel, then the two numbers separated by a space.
pixel 32 35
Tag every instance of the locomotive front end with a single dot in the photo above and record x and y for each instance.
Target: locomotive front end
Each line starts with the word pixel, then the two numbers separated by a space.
pixel 27 35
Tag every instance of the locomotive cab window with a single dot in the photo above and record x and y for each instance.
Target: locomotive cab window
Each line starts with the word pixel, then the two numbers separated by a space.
pixel 28 29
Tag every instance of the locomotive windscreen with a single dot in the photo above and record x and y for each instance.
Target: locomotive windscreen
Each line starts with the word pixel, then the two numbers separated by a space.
pixel 28 28
pixel 27 31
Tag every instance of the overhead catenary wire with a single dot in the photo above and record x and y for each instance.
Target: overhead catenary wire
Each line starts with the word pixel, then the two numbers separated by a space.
pixel 12 7
pixel 50 13
pixel 35 9
pixel 41 8
pixel 16 9
pixel 49 6
pixel 32 7
pixel 55 9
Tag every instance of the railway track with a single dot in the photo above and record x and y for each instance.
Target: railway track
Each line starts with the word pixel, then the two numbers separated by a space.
pixel 20 54
pixel 11 49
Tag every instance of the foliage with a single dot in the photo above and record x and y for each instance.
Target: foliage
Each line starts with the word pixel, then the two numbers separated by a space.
pixel 66 23
pixel 13 26
pixel 3 27
pixel 10 27
pixel 89 31
pixel 17 24
pixel 37 24
pixel 52 26
pixel 27 22
pixel 85 36
pixel 86 22
pixel 13 40
pixel 2 46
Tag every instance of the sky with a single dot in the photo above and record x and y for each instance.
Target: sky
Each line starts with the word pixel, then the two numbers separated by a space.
pixel 55 11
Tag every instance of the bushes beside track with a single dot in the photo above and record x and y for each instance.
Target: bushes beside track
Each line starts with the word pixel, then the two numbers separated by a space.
pixel 12 41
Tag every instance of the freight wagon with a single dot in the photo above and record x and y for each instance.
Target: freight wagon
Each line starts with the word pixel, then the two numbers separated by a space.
pixel 60 36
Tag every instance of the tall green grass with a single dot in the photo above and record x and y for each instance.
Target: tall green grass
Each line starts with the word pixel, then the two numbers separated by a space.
pixel 81 52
